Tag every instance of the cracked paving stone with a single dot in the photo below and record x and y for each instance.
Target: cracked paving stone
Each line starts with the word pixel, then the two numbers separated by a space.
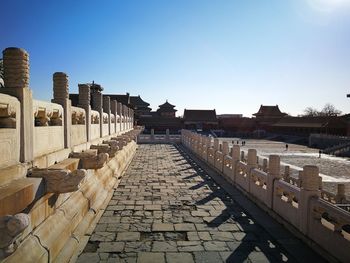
pixel 164 246
pixel 102 236
pixel 128 236
pixel 215 246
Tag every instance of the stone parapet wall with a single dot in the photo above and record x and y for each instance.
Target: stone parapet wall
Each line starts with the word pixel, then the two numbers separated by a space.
pixel 299 204
pixel 47 199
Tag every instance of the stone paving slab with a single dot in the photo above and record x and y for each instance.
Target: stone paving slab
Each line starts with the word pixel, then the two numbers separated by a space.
pixel 168 209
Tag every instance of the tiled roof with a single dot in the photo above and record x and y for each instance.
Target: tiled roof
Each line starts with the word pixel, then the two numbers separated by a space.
pixel 269 111
pixel 137 101
pixel 200 115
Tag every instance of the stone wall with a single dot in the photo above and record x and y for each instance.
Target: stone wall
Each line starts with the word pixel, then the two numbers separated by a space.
pixel 298 203
pixel 58 164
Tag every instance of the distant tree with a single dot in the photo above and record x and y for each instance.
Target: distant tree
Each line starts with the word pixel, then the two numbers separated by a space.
pixel 310 112
pixel 329 110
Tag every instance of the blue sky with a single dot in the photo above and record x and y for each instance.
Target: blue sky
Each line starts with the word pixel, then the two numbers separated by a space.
pixel 228 55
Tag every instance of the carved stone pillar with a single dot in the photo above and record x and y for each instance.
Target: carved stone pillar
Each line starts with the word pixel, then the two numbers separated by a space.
pixel 114 105
pixel 84 102
pixel 61 96
pixel 16 82
pixel 273 174
pixel 97 106
pixel 107 109
pixel 119 110
pixel 309 189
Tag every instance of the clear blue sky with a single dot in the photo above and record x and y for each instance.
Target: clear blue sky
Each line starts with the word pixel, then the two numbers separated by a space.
pixel 228 55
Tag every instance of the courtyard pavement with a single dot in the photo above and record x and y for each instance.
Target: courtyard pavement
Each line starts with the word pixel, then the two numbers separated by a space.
pixel 167 208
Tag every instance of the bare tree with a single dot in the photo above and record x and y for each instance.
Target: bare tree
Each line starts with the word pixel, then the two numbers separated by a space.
pixel 310 112
pixel 329 110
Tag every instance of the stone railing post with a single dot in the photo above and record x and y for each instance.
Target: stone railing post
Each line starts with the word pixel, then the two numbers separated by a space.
pixel 340 196
pixel 97 106
pixel 61 96
pixel 251 164
pixel 225 148
pixel 132 118
pixel 114 111
pixel 273 175
pixel 235 159
pixel 107 109
pixel 167 135
pixel 309 189
pixel 216 144
pixel 16 82
pixel 84 102
pixel 119 111
pixel 152 134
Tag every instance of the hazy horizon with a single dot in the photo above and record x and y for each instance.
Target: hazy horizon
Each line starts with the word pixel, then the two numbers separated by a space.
pixel 231 56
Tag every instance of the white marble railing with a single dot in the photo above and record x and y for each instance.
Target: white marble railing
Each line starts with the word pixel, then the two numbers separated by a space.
pixel 49 129
pixel 298 201
pixel 9 130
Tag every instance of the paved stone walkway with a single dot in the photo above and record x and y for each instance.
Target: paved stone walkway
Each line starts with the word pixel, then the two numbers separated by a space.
pixel 167 209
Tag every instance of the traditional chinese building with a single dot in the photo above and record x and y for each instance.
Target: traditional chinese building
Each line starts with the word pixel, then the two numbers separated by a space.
pixel 200 119
pixel 166 110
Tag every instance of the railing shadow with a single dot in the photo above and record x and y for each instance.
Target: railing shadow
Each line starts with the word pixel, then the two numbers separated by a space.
pixel 250 242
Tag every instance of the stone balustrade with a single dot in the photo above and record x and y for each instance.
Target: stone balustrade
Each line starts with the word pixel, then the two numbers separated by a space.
pixel 298 203
pixel 52 186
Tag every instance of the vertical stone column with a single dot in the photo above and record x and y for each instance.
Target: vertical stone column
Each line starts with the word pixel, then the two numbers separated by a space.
pixel 61 96
pixel 107 109
pixel 114 111
pixel 340 196
pixel 152 134
pixel 273 175
pixel 235 160
pixel 97 106
pixel 225 148
pixel 309 189
pixel 119 111
pixel 216 144
pixel 16 82
pixel 125 114
pixel 84 102
pixel 251 164
pixel 132 118
pixel 167 135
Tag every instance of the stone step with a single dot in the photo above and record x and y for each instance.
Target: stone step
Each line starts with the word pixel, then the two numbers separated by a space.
pixel 17 195
pixel 70 164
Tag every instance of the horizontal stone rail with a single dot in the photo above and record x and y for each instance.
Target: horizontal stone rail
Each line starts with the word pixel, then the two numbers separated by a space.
pixel 298 203
pixel 78 116
pixel 286 200
pixel 329 226
pixel 10 115
pixel 47 113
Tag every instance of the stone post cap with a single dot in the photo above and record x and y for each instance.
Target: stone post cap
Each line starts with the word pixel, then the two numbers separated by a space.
pixel 252 158
pixel 310 178
pixel 225 148
pixel 15 51
pixel 274 165
pixel 60 75
pixel 236 151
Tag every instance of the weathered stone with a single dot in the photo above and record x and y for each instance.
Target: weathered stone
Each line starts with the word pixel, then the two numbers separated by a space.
pixel 162 227
pixel 179 258
pixel 128 236
pixel 111 247
pixel 61 180
pixel 11 228
pixel 150 257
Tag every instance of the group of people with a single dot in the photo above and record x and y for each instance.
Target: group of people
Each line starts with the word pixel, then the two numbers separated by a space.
pixel 243 142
